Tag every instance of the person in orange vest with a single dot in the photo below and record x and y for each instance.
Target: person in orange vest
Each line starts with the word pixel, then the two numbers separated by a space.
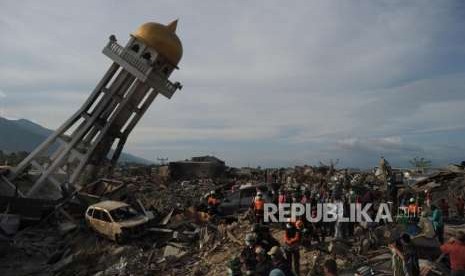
pixel 292 238
pixel 299 223
pixel 413 217
pixel 413 208
pixel 213 203
pixel 259 207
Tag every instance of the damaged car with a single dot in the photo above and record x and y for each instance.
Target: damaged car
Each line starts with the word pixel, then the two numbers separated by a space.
pixel 241 199
pixel 116 220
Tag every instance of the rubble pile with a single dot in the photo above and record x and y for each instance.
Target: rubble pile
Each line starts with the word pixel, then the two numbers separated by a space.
pixel 163 196
pixel 183 236
pixel 443 184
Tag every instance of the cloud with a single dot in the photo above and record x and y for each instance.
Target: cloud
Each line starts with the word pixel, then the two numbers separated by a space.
pixel 264 83
pixel 381 145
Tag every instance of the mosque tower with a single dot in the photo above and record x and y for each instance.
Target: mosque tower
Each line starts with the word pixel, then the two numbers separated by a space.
pixel 139 72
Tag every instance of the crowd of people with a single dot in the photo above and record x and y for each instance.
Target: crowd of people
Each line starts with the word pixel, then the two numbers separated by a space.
pixel 264 255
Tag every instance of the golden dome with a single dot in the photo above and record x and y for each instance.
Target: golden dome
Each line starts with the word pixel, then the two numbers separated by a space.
pixel 161 38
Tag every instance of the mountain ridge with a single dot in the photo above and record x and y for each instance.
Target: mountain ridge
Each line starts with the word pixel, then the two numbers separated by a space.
pixel 25 135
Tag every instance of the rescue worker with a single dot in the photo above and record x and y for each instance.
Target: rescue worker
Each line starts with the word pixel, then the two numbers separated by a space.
pixel 264 265
pixel 413 212
pixel 259 207
pixel 412 208
pixel 292 246
pixel 455 248
pixel 299 223
pixel 305 231
pixel 213 202
pixel 280 265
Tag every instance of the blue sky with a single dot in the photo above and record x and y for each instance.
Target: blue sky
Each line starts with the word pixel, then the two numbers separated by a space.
pixel 270 83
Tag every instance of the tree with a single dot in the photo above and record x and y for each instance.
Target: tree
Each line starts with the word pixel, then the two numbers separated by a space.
pixel 420 164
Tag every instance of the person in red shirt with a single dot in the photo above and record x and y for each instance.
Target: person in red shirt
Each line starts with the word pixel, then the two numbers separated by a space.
pixel 456 250
pixel 213 202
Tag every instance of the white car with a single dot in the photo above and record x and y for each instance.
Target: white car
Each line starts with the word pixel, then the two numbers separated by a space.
pixel 115 220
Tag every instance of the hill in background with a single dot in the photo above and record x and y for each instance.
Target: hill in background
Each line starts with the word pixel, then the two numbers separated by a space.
pixel 24 135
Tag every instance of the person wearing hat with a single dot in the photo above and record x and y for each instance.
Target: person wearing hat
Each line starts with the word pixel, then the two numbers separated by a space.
pixel 280 265
pixel 248 253
pixel 413 215
pixel 455 248
pixel 412 208
pixel 292 238
pixel 276 272
pixel 264 265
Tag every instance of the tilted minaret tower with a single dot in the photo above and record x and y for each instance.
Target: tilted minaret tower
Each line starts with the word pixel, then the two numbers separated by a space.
pixel 139 72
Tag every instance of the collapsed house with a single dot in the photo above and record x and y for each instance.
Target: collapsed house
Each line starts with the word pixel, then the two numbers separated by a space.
pixel 182 238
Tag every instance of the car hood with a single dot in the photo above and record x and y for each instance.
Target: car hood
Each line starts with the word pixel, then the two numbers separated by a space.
pixel 133 222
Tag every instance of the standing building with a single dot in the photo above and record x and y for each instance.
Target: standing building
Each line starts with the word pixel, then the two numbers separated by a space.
pixel 197 167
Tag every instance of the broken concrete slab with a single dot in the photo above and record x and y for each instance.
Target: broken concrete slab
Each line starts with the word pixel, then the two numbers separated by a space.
pixel 173 251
